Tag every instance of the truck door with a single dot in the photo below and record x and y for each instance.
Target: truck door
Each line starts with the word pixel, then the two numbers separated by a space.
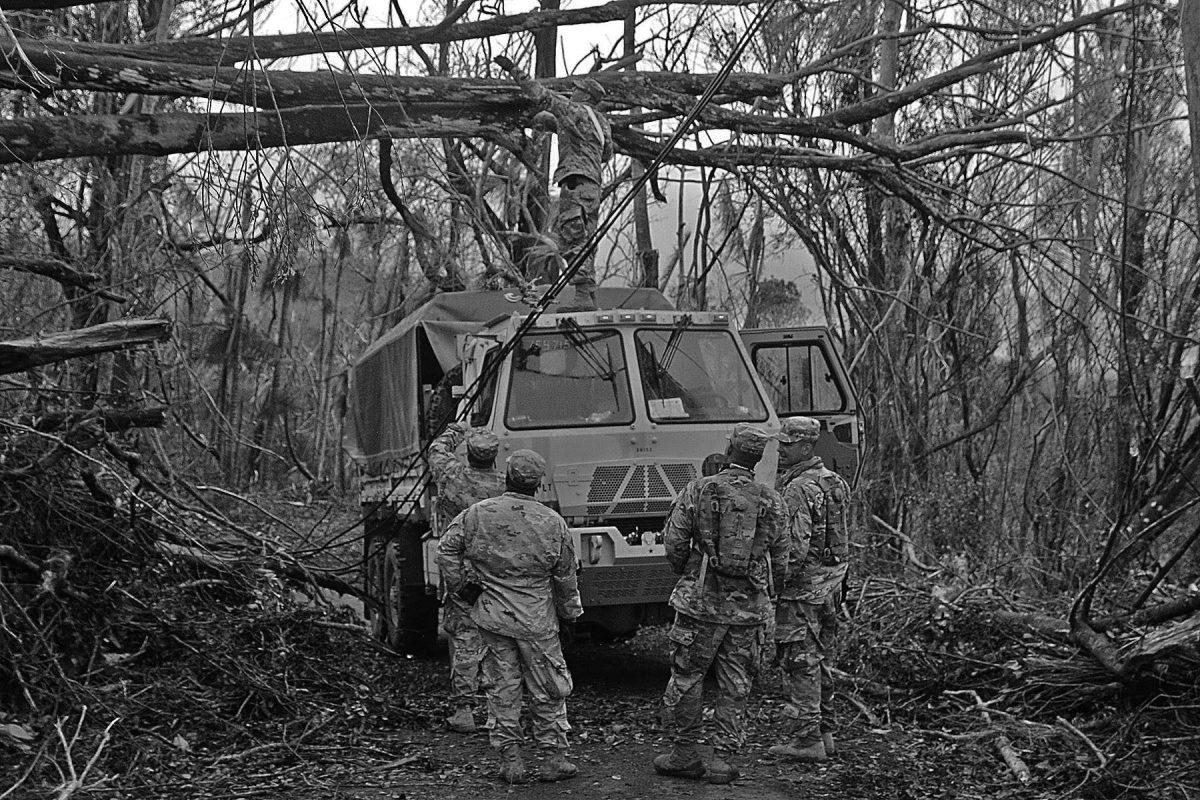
pixel 804 376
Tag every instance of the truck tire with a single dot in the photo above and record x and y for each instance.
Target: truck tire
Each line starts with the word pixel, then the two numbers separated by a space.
pixel 375 572
pixel 412 613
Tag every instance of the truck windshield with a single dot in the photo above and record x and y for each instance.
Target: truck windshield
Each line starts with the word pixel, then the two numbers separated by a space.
pixel 569 378
pixel 694 375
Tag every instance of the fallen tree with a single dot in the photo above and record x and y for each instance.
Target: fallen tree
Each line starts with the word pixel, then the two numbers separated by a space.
pixel 17 355
pixel 328 106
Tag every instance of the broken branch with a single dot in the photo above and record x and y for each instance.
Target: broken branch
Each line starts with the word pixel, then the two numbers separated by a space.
pixel 17 355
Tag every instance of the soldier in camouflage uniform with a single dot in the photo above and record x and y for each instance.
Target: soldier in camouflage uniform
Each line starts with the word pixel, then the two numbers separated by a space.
pixel 727 540
pixel 513 559
pixel 584 144
pixel 806 617
pixel 459 485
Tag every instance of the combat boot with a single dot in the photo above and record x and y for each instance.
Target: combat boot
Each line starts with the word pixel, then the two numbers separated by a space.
pixel 556 767
pixel 462 720
pixel 512 766
pixel 680 763
pixel 830 748
pixel 812 753
pixel 718 770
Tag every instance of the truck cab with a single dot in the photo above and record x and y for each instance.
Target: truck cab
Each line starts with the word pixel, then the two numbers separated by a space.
pixel 624 403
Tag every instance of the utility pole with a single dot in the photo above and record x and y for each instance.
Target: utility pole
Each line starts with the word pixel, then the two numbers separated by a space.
pixel 545 49
pixel 647 256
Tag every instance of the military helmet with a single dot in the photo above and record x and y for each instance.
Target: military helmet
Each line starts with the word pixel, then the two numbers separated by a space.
pixel 525 468
pixel 482 444
pixel 748 439
pixel 799 429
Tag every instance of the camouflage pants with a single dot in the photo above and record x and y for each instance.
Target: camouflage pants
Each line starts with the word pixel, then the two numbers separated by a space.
pixel 575 221
pixel 513 667
pixel 806 634
pixel 696 645
pixel 466 653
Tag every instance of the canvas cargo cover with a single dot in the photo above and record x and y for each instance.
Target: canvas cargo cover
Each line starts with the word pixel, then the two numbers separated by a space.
pixel 384 382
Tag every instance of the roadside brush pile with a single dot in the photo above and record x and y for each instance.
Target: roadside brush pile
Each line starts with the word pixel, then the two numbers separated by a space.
pixel 140 621
pixel 975 667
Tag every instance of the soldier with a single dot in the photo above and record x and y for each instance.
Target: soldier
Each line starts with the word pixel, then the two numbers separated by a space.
pixel 584 144
pixel 806 620
pixel 460 485
pixel 511 558
pixel 727 540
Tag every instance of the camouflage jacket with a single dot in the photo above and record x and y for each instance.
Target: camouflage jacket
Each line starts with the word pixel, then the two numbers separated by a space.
pixel 719 598
pixel 584 135
pixel 521 554
pixel 808 579
pixel 459 485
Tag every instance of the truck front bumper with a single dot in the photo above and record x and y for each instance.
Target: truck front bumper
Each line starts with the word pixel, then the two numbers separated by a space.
pixel 614 572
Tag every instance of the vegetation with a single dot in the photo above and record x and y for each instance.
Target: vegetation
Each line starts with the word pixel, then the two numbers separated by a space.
pixel 210 209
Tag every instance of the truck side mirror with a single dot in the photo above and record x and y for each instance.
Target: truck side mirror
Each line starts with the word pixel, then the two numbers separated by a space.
pixel 473 351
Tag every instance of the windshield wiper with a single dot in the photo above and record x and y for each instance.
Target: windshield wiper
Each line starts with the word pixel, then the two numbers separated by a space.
pixel 673 342
pixel 587 350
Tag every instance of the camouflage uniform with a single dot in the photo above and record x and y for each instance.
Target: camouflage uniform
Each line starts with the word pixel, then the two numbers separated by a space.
pixel 521 555
pixel 584 144
pixel 719 618
pixel 806 619
pixel 461 484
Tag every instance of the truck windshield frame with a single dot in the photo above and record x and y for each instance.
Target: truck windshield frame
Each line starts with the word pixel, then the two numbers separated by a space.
pixel 682 384
pixel 587 387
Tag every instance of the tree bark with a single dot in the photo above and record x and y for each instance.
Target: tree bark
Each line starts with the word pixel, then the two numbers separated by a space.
pixel 17 355
pixel 69 68
pixel 48 138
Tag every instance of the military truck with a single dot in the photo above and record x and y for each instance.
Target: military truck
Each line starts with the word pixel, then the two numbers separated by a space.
pixel 624 402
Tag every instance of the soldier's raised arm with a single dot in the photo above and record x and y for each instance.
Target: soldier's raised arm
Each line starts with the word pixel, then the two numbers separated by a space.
pixel 441 456
pixel 677 535
pixel 534 90
pixel 567 603
pixel 452 548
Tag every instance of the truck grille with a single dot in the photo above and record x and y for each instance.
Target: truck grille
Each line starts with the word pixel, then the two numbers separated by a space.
pixel 679 475
pixel 641 489
pixel 606 482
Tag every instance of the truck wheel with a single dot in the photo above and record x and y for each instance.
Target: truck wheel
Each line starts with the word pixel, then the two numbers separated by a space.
pixel 376 587
pixel 411 612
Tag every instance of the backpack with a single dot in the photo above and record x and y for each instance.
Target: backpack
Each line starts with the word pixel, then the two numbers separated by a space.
pixel 831 528
pixel 729 526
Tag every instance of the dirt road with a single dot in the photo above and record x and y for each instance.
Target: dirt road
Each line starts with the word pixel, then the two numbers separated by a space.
pixel 616 734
